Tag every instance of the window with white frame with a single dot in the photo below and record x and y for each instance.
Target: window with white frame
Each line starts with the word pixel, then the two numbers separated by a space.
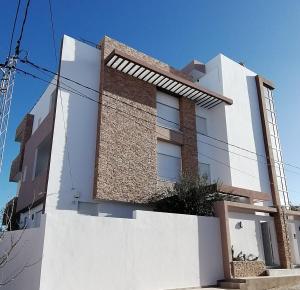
pixel 168 161
pixel 201 125
pixel 167 111
pixel 204 171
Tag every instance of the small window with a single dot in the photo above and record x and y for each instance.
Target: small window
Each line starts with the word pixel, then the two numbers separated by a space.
pixel 204 171
pixel 167 111
pixel 201 124
pixel 168 161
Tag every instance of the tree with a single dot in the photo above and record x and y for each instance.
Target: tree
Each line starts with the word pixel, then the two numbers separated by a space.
pixel 14 240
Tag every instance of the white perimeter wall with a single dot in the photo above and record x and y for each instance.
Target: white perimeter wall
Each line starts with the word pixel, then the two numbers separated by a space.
pixel 23 268
pixel 74 139
pixel 238 124
pixel 153 251
pixel 248 239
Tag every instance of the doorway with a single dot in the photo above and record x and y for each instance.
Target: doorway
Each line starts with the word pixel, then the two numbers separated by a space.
pixel 267 243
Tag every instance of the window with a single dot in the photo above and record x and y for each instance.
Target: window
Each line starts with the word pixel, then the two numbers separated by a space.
pixel 204 171
pixel 42 157
pixel 168 161
pixel 201 125
pixel 167 111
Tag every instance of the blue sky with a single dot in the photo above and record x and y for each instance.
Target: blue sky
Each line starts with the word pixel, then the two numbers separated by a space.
pixel 262 34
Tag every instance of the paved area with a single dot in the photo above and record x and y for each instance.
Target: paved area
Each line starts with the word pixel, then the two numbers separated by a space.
pixel 287 288
pixel 282 288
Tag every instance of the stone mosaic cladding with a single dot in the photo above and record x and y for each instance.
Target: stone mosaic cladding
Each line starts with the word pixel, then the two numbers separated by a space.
pixel 241 269
pixel 189 150
pixel 125 168
pixel 284 249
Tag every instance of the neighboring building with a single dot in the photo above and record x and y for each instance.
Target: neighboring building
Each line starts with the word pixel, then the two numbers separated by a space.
pixel 86 157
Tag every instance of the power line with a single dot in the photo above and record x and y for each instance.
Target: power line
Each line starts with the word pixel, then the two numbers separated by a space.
pixel 26 61
pixel 53 31
pixel 244 156
pixel 14 27
pixel 22 29
pixel 124 113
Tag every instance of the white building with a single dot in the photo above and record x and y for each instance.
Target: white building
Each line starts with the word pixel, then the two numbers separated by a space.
pixel 114 126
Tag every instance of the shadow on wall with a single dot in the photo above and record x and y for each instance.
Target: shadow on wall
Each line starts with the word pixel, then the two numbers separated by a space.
pixel 75 128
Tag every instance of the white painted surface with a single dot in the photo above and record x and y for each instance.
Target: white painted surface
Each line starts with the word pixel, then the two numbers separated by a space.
pixel 216 127
pixel 74 143
pixel 248 239
pixel 109 209
pixel 294 235
pixel 42 108
pixel 153 251
pixel 22 271
pixel 238 124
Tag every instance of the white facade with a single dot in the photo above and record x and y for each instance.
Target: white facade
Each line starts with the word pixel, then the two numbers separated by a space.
pixel 74 143
pixel 246 235
pixel 294 235
pixel 43 106
pixel 239 124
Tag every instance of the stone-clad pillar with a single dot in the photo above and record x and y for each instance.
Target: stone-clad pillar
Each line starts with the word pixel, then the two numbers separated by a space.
pixel 189 152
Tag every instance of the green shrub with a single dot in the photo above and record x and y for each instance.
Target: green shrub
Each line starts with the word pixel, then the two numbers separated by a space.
pixel 191 195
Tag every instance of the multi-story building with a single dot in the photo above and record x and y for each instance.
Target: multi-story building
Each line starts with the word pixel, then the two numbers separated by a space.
pixel 115 126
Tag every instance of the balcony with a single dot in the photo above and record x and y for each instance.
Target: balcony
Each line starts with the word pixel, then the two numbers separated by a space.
pixel 24 130
pixel 16 169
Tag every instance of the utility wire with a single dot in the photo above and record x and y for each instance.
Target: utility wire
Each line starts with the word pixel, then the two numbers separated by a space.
pixel 53 31
pixel 22 29
pixel 126 115
pixel 14 27
pixel 208 136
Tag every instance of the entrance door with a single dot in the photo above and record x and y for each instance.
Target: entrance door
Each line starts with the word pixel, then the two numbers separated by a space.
pixel 267 244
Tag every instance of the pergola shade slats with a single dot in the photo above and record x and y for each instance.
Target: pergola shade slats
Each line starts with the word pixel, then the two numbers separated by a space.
pixel 166 80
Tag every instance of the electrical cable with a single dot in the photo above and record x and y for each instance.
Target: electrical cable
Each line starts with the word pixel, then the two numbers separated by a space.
pixel 53 31
pixel 208 136
pixel 22 29
pixel 14 27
